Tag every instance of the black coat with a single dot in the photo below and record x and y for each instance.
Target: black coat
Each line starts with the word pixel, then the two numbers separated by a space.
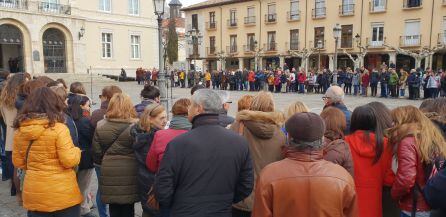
pixel 85 133
pixel 202 175
pixel 141 146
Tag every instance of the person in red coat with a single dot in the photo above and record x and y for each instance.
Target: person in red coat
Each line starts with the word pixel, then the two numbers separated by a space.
pixel 178 125
pixel 372 159
pixel 419 142
pixel 365 81
pixel 251 80
pixel 301 78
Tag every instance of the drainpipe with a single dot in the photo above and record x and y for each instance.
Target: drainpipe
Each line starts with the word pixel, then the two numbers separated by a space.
pixel 429 63
pixel 222 65
pixel 306 23
pixel 260 35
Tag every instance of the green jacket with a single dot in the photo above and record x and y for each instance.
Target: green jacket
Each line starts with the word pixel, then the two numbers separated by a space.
pixel 112 149
pixel 393 79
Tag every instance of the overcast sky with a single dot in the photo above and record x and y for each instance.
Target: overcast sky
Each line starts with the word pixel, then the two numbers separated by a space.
pixel 189 2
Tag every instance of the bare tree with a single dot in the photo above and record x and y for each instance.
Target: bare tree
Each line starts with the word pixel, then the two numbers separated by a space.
pixel 304 55
pixel 418 55
pixel 222 58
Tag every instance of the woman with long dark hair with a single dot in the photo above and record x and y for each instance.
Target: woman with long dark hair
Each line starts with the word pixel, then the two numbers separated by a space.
pixel 44 149
pixel 79 111
pixel 372 158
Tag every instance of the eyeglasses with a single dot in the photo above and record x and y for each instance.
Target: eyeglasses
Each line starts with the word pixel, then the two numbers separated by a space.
pixel 325 98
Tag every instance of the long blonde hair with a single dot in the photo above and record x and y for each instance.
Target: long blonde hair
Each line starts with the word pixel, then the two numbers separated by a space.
pixel 120 107
pixel 410 121
pixel 296 107
pixel 150 111
pixel 263 102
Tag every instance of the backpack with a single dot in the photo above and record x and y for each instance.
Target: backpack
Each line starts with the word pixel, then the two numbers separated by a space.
pixel 434 192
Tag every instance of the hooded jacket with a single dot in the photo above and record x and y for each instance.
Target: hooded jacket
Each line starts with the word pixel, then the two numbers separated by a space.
pixel 265 139
pixel 50 182
pixel 369 177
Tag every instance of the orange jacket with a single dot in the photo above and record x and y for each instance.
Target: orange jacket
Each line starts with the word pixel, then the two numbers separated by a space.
pixel 50 182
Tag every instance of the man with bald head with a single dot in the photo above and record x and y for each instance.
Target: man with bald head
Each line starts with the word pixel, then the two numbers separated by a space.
pixel 335 97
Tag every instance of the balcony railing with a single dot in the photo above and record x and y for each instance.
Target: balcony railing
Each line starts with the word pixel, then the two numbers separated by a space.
pixel 293 45
pixel 376 43
pixel 410 41
pixel 54 8
pixel 211 51
pixel 232 23
pixel 293 15
pixel 14 4
pixel 347 43
pixel 251 20
pixel 270 47
pixel 231 49
pixel 318 13
pixel 378 8
pixel 442 38
pixel 211 25
pixel 249 48
pixel 412 4
pixel 270 18
pixel 314 45
pixel 347 10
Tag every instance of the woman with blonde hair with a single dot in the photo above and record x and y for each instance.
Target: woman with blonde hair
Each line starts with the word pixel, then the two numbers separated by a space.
pixel 113 151
pixel 419 143
pixel 261 126
pixel 296 107
pixel 244 102
pixel 153 119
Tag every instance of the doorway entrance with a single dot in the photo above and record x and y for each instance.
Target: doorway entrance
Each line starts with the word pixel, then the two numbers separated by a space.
pixel 11 49
pixel 54 44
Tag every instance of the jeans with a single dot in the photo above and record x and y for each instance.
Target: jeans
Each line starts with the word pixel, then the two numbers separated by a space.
pixel 301 88
pixel 383 90
pixel 402 92
pixel 374 88
pixel 122 210
pixel 74 211
pixel 84 181
pixel 102 208
pixel 418 214
pixel 355 90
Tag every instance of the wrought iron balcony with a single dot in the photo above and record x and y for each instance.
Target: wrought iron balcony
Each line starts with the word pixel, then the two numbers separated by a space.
pixel 14 4
pixel 314 45
pixel 412 4
pixel 46 7
pixel 211 25
pixel 251 20
pixel 410 41
pixel 319 13
pixel 211 51
pixel 375 43
pixel 249 48
pixel 347 10
pixel 293 15
pixel 232 23
pixel 293 45
pixel 379 8
pixel 231 49
pixel 271 18
pixel 270 47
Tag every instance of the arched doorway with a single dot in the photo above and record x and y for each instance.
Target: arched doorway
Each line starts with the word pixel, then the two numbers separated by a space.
pixel 54 54
pixel 11 48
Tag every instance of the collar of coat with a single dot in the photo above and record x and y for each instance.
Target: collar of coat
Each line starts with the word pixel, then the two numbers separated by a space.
pixel 129 120
pixel 205 119
pixel 307 155
pixel 276 118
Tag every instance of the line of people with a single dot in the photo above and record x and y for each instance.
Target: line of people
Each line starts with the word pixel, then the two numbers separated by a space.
pixel 343 163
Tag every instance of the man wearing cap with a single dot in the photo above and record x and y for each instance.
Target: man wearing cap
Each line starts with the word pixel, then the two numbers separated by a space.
pixel 335 97
pixel 304 184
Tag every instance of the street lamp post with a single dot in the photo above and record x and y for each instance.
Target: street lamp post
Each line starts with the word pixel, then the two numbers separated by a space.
pixel 319 48
pixel 194 38
pixel 337 34
pixel 159 11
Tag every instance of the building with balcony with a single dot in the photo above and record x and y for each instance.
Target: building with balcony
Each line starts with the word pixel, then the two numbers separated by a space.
pixel 272 29
pixel 74 36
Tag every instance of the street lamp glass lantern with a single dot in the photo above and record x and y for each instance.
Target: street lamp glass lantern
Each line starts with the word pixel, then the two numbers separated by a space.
pixel 158 6
pixel 337 31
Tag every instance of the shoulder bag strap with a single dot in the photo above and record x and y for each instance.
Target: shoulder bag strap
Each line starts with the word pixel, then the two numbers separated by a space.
pixel 27 153
pixel 121 131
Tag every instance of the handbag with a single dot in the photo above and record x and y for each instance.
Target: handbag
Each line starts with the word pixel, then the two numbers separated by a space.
pixel 152 202
pixel 21 173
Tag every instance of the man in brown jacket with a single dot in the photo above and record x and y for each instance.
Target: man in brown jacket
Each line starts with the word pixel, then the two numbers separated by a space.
pixel 304 184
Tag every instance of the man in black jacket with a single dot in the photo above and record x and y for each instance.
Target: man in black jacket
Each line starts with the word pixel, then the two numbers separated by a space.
pixel 206 170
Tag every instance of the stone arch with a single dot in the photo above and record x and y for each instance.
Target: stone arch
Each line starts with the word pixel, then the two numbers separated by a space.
pixel 26 37
pixel 69 58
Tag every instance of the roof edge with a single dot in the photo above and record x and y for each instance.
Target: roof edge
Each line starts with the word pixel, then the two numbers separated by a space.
pixel 201 6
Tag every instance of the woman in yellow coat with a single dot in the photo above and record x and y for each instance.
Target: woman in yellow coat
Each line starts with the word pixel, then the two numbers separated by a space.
pixel 44 149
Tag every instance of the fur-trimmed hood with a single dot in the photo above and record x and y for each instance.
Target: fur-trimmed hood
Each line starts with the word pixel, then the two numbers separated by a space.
pixel 261 124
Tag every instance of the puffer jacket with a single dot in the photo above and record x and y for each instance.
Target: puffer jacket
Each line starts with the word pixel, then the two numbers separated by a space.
pixel 305 185
pixel 338 151
pixel 112 149
pixel 410 172
pixel 142 141
pixel 50 182
pixel 265 139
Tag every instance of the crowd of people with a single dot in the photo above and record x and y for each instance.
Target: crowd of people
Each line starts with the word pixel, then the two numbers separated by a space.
pixel 264 162
pixel 359 82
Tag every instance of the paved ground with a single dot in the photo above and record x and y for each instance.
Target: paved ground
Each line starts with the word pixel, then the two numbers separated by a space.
pixel 9 207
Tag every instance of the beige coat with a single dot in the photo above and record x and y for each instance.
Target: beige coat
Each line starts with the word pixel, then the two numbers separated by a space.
pixel 265 138
pixel 9 115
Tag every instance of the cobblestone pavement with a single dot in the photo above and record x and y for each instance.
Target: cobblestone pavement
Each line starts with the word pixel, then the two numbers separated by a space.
pixel 8 204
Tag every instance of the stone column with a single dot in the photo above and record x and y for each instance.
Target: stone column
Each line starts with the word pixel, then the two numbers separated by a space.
pixel 330 62
pixel 281 61
pixel 260 63
pixel 240 64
